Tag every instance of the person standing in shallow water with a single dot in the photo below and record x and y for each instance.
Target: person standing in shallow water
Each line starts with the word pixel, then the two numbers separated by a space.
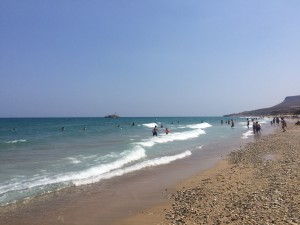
pixel 258 128
pixel 154 131
pixel 283 124
pixel 253 126
pixel 277 120
pixel 232 124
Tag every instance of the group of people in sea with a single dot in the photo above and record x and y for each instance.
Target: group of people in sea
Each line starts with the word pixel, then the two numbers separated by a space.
pixel 230 122
pixel 275 121
pixel 155 130
pixel 278 121
pixel 256 126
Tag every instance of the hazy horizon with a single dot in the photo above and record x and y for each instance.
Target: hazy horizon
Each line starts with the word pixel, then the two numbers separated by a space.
pixel 146 58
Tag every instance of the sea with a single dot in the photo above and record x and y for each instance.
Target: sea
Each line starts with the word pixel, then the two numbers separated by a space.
pixel 42 155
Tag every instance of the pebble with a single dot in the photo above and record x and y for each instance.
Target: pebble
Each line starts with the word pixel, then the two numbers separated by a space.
pixel 262 186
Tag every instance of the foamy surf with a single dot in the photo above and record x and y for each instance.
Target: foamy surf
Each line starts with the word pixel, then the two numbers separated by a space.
pixel 172 137
pixel 197 130
pixel 150 125
pixel 149 163
pixel 199 126
pixel 15 141
pixel 247 134
pixel 52 159
pixel 43 180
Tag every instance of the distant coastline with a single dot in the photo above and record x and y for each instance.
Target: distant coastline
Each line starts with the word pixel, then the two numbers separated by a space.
pixel 290 106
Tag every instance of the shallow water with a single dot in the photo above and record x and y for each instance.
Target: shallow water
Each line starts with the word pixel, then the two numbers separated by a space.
pixel 38 156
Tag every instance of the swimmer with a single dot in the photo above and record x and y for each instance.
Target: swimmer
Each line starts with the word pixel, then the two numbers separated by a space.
pixel 154 131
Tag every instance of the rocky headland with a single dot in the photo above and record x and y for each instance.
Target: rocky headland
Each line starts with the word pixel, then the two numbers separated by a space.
pixel 290 105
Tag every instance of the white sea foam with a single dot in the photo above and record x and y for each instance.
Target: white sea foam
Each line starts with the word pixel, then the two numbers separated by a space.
pixel 264 121
pixel 176 136
pixel 127 157
pixel 149 163
pixel 199 126
pixel 95 174
pixel 74 160
pixel 150 125
pixel 15 141
pixel 247 134
pixel 245 126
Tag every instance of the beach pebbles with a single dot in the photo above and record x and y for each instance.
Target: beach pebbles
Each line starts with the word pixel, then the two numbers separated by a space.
pixel 261 185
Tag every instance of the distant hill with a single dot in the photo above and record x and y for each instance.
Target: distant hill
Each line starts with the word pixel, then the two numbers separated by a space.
pixel 290 105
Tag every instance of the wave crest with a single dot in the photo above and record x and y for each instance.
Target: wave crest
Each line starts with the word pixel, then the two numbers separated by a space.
pixel 149 163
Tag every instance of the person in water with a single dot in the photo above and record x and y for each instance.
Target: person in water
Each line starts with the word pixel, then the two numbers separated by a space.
pixel 258 128
pixel 154 131
pixel 254 127
pixel 283 124
pixel 167 131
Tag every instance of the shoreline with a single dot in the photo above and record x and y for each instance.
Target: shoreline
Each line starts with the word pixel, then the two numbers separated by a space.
pixel 256 184
pixel 123 197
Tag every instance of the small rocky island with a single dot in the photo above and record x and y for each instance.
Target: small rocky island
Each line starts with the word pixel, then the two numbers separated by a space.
pixel 112 116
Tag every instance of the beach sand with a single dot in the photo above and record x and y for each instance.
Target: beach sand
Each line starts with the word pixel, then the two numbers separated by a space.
pixel 256 184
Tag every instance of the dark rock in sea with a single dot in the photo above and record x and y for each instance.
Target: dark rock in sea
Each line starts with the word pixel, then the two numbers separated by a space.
pixel 112 116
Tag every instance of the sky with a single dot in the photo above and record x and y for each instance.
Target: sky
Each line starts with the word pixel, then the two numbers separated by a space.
pixel 146 58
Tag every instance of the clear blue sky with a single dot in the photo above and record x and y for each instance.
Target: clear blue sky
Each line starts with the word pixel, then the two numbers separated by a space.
pixel 147 58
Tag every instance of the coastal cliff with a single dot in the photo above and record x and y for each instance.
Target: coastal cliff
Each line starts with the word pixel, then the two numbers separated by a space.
pixel 290 105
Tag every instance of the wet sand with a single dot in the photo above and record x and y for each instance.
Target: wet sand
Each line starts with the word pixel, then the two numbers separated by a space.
pixel 105 202
pixel 137 198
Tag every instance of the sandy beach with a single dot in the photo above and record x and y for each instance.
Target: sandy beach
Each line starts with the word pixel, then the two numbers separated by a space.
pixel 146 112
pixel 255 184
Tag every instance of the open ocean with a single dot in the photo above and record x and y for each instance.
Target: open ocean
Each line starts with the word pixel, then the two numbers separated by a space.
pixel 37 157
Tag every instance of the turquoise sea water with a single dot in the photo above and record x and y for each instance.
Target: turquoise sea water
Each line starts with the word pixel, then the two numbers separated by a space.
pixel 38 156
